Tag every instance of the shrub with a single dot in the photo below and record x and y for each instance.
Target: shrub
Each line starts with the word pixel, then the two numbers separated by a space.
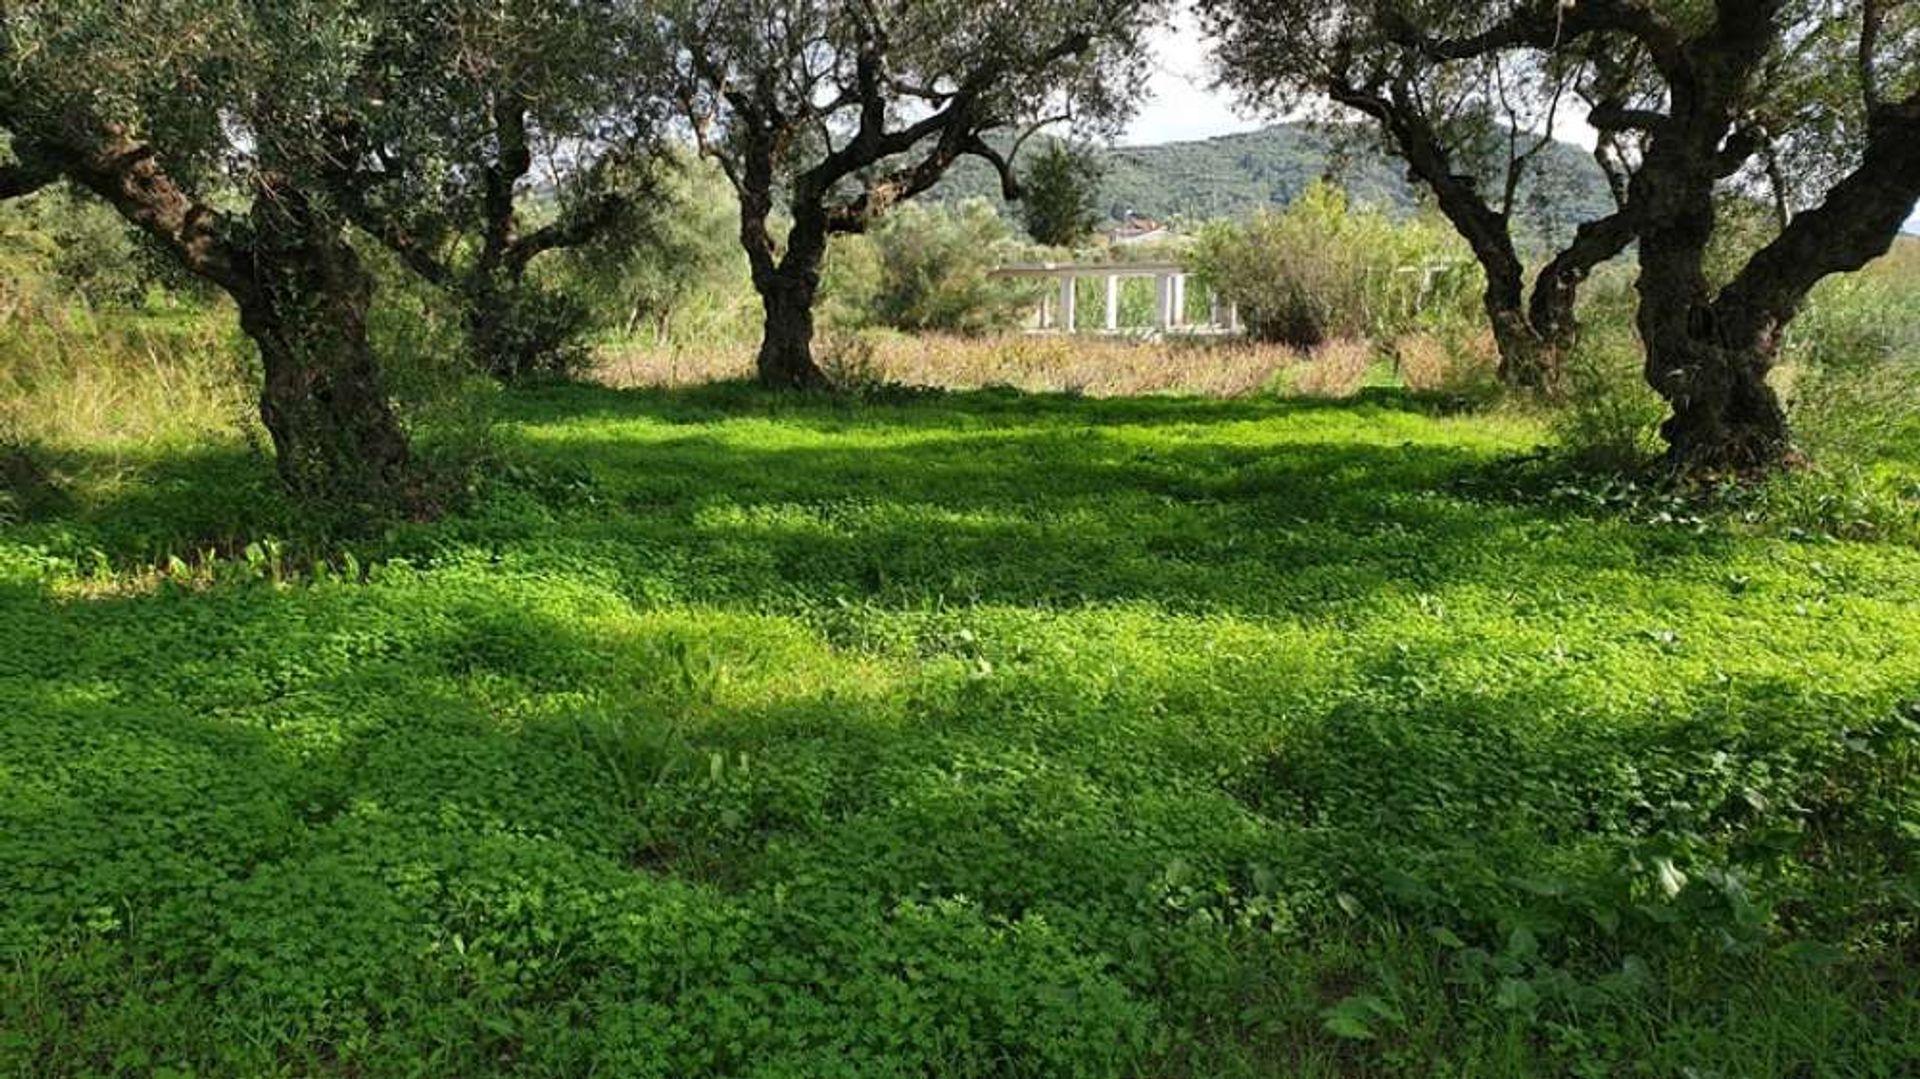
pixel 1852 363
pixel 75 250
pixel 1060 195
pixel 677 276
pixel 533 329
pixel 1610 418
pixel 1462 368
pixel 851 363
pixel 1322 269
pixel 934 271
pixel 439 392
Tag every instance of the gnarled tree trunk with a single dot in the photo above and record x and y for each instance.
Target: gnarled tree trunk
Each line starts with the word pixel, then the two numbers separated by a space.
pixel 303 297
pixel 1726 418
pixel 323 400
pixel 786 343
pixel 788 286
pixel 1527 362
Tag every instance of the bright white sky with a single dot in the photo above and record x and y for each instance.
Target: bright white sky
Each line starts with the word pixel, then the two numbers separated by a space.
pixel 1183 104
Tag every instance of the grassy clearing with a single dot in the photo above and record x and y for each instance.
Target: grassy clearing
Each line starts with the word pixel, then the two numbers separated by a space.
pixel 967 734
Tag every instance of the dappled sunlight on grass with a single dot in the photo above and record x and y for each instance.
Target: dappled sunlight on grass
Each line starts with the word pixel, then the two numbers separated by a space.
pixel 956 733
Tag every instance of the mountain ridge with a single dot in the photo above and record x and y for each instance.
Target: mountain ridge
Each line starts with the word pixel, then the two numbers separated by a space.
pixel 1235 174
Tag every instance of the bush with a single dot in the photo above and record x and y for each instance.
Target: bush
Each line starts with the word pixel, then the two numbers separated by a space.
pixel 532 329
pixel 1852 364
pixel 75 250
pixel 678 275
pixel 442 397
pixel 1610 418
pixel 934 266
pixel 1060 195
pixel 1322 269
pixel 1462 368
pixel 850 360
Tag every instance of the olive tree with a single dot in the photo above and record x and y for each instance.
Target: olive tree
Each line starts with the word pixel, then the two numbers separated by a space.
pixel 492 133
pixel 199 123
pixel 1470 128
pixel 1711 98
pixel 1696 100
pixel 845 107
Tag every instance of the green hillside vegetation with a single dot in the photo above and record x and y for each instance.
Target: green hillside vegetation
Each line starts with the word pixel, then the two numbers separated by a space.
pixel 1234 175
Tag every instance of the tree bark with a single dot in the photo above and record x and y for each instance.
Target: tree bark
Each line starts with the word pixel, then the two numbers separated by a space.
pixel 323 400
pixel 1551 309
pixel 1726 418
pixel 786 343
pixel 787 286
pixel 1527 361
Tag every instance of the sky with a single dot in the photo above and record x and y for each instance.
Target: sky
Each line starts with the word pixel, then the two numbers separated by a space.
pixel 1183 105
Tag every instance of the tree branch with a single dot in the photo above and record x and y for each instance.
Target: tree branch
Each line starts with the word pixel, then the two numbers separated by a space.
pixel 1855 224
pixel 1549 25
pixel 572 230
pixel 128 175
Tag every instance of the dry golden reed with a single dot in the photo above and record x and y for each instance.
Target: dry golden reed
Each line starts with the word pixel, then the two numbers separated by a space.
pixel 1088 365
pixel 1336 369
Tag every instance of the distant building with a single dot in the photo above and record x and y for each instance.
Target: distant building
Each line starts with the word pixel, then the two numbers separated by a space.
pixel 1135 229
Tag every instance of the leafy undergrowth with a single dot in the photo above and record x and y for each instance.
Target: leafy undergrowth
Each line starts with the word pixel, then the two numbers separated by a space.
pixel 966 735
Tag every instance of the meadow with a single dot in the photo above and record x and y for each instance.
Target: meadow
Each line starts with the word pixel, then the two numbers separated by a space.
pixel 983 732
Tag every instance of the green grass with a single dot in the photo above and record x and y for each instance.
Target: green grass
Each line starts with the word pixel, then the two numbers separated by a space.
pixel 964 735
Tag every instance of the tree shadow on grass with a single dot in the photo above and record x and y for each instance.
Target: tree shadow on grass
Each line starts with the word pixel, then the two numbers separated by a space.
pixel 1253 506
pixel 453 756
pixel 719 402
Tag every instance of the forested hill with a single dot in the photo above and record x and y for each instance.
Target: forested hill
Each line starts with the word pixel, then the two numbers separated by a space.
pixel 1231 175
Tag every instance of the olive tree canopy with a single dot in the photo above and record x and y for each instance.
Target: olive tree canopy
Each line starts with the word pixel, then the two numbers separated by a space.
pixel 1816 100
pixel 842 108
pixel 204 123
pixel 493 132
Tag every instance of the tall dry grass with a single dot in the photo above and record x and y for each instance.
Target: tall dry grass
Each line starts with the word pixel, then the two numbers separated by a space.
pixel 1087 365
pixel 1462 364
pixel 71 379
pixel 1336 369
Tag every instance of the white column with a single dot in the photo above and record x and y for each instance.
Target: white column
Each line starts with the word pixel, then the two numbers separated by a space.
pixel 1179 300
pixel 1113 302
pixel 1213 309
pixel 1163 302
pixel 1066 303
pixel 1046 311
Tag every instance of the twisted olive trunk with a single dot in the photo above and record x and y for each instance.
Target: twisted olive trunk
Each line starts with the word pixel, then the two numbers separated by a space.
pixel 323 400
pixel 787 288
pixel 786 343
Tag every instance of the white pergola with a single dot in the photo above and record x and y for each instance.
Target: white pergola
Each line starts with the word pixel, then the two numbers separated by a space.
pixel 1058 307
